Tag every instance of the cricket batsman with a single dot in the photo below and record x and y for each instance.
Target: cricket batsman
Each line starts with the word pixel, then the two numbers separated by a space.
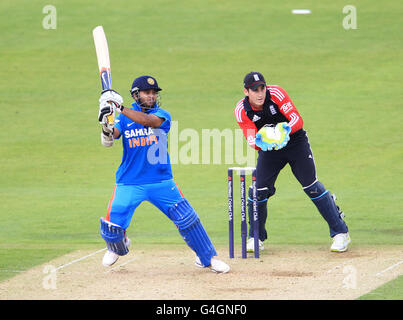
pixel 145 173
pixel 272 125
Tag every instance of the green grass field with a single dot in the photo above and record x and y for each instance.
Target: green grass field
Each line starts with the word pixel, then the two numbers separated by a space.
pixel 56 178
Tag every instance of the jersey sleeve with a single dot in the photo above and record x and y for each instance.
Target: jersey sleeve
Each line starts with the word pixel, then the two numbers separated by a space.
pixel 166 125
pixel 287 107
pixel 248 128
pixel 118 124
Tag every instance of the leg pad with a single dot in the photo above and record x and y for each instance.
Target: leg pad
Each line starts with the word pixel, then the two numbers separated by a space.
pixel 114 237
pixel 262 196
pixel 192 230
pixel 324 202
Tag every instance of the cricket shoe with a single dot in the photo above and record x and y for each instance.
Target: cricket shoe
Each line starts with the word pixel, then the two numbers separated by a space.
pixel 340 242
pixel 216 265
pixel 250 245
pixel 111 257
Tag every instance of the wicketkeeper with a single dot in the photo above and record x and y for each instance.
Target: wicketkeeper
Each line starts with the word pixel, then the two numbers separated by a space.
pixel 272 125
pixel 145 173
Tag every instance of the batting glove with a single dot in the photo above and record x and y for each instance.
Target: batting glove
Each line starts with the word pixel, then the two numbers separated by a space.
pixel 113 97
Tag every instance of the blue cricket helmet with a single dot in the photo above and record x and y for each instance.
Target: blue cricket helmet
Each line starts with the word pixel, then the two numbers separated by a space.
pixel 144 83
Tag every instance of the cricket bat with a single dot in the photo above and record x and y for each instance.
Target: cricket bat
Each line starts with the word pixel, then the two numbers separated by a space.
pixel 104 65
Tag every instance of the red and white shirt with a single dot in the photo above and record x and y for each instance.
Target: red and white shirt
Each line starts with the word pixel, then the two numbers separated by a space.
pixel 282 109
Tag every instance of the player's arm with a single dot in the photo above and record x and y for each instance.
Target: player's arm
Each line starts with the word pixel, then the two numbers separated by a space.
pixel 116 133
pixel 147 120
pixel 111 96
pixel 248 128
pixel 287 108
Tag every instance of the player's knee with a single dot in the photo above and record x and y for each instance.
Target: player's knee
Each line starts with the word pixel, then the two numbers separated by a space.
pixel 182 214
pixel 114 236
pixel 262 194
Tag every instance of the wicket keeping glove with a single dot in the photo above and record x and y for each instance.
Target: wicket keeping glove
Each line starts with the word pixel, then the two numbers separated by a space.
pixel 273 137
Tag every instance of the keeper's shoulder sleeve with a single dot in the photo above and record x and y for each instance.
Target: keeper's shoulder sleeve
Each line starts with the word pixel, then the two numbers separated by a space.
pixel 248 128
pixel 286 106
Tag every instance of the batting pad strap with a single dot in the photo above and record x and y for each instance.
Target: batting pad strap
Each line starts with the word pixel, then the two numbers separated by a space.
pixel 192 230
pixel 114 237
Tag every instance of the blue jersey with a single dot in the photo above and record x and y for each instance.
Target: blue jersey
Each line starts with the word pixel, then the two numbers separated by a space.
pixel 145 150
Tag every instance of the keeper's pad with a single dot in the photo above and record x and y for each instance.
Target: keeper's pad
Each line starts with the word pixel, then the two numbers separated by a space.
pixel 114 237
pixel 192 230
pixel 262 196
pixel 324 201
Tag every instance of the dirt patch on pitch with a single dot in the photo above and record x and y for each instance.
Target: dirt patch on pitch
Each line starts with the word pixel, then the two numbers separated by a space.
pixel 169 273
